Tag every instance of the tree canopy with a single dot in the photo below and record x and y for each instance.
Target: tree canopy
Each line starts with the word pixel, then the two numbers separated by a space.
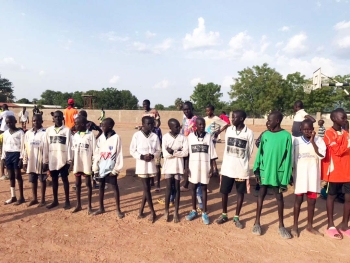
pixel 205 94
pixel 6 90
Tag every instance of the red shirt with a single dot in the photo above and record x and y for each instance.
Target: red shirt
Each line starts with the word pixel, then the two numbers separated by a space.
pixel 225 118
pixel 335 167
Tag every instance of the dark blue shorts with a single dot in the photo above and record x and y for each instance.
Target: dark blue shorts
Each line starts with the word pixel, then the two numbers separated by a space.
pixel 12 160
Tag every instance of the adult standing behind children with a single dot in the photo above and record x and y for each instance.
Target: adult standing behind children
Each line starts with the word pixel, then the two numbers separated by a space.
pixel 300 115
pixel 213 124
pixel 69 114
pixel 59 157
pixel 6 112
pixel 23 118
pixel 335 171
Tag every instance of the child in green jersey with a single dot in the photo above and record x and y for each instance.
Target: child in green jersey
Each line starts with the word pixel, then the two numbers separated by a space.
pixel 273 168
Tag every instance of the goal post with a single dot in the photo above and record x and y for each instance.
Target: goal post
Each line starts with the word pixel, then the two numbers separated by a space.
pixel 317 82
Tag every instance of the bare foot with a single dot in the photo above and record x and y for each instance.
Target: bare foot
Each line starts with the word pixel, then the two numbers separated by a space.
pixel 99 212
pixel 153 218
pixel 52 205
pixel 89 211
pixel 33 202
pixel 77 209
pixel 295 232
pixel 20 201
pixel 67 206
pixel 176 218
pixel 314 231
pixel 166 216
pixel 120 215
pixel 41 204
pixel 141 215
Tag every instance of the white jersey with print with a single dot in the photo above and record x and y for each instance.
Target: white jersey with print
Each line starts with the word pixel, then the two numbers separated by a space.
pixel 3 117
pixel 307 165
pixel 141 144
pixel 84 144
pixel 13 143
pixel 201 152
pixel 59 150
pixel 23 116
pixel 239 146
pixel 213 125
pixel 109 148
pixel 33 153
pixel 174 163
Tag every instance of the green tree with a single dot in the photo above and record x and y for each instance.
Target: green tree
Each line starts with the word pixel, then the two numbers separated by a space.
pixel 171 108
pixel 159 107
pixel 205 94
pixel 178 103
pixel 129 101
pixel 24 101
pixel 6 90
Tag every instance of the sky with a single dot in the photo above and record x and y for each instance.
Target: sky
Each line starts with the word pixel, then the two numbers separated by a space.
pixel 160 50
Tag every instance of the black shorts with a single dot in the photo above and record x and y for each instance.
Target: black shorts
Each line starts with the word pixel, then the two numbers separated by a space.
pixel 338 188
pixel 228 182
pixel 109 179
pixel 12 160
pixel 63 172
pixel 33 178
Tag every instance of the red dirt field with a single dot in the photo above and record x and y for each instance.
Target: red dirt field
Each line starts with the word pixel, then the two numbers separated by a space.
pixel 41 235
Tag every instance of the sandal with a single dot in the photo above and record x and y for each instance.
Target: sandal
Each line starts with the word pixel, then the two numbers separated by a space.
pixel 345 233
pixel 257 230
pixel 332 232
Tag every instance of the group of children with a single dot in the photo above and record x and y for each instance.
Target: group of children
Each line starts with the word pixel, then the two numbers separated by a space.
pixel 189 151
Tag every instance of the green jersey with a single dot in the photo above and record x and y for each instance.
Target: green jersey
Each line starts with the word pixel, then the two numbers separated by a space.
pixel 274 158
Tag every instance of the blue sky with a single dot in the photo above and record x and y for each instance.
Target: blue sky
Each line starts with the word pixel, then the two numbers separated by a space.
pixel 160 50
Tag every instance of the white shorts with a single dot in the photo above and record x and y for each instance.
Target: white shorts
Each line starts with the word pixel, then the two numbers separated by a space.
pixel 176 176
pixel 146 175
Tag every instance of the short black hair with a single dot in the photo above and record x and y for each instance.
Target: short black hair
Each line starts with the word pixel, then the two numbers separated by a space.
pixel 299 104
pixel 241 113
pixel 209 106
pixel 144 118
pixel 83 113
pixel 38 116
pixel 189 104
pixel 52 113
pixel 321 121
pixel 5 106
pixel 223 112
pixel 59 112
pixel 278 114
pixel 307 121
pixel 11 117
pixel 338 110
pixel 147 102
pixel 82 118
pixel 173 120
pixel 110 120
pixel 200 119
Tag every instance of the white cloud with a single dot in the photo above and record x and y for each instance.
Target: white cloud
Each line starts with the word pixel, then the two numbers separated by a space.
pixel 11 63
pixel 284 29
pixel 296 45
pixel 42 73
pixel 23 14
pixel 195 81
pixel 227 82
pixel 200 38
pixel 149 34
pixel 279 44
pixel 111 36
pixel 114 79
pixel 343 43
pixel 239 42
pixel 162 84
pixel 152 49
pixel 320 49
pixel 342 25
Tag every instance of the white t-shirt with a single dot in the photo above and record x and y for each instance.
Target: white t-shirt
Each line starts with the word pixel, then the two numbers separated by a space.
pixel 213 125
pixel 24 116
pixel 3 116
pixel 298 119
pixel 174 163
pixel 239 147
pixel 307 165
pixel 83 147
pixel 13 143
pixel 201 151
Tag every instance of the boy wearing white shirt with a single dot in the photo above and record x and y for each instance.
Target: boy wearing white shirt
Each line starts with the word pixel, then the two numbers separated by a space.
pixel 145 146
pixel 174 148
pixel 108 151
pixel 34 144
pixel 300 115
pixel 12 158
pixel 23 117
pixel 6 112
pixel 239 145
pixel 84 144
pixel 59 157
pixel 308 151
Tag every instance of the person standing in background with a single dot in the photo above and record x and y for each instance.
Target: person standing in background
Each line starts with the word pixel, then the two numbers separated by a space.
pixel 69 113
pixel 36 110
pixel 226 119
pixel 6 112
pixel 102 116
pixel 23 118
pixel 300 115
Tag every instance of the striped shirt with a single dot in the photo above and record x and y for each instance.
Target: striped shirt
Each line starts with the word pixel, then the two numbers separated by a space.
pixel 321 131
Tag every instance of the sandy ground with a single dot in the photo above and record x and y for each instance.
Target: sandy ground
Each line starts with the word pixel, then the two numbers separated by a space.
pixel 41 235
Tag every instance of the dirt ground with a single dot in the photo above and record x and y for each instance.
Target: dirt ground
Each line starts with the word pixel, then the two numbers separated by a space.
pixel 41 235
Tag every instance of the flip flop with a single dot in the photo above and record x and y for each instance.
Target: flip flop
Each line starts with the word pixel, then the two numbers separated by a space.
pixel 238 224
pixel 332 232
pixel 345 233
pixel 284 233
pixel 157 190
pixel 257 230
